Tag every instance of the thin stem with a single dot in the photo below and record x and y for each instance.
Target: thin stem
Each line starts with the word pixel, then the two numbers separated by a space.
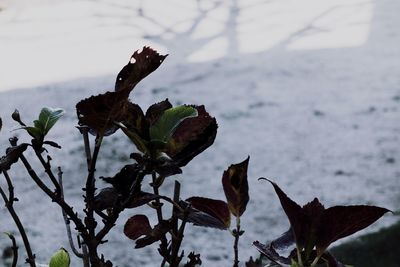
pixel 66 220
pixel 21 229
pixel 236 244
pixel 47 168
pixel 14 249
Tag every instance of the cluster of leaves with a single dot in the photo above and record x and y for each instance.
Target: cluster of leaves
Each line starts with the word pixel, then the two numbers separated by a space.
pixel 165 139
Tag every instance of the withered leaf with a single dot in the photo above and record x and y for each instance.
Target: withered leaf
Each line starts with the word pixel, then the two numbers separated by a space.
pixel 209 213
pixel 236 187
pixel 193 136
pixel 100 112
pixel 140 65
pixel 12 156
pixel 137 226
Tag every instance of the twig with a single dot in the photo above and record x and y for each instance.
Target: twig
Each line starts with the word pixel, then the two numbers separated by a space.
pixel 66 220
pixel 14 249
pixel 47 168
pixel 21 229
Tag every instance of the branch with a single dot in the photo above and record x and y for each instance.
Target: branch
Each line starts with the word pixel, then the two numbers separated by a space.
pixel 56 198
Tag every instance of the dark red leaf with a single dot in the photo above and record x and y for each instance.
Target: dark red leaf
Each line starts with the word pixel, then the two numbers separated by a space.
pixel 53 144
pixel 193 136
pixel 137 226
pixel 155 111
pixel 156 234
pixel 236 187
pixel 209 213
pixel 101 112
pixel 292 209
pixel 12 156
pixel 315 226
pixel 140 65
pixel 342 221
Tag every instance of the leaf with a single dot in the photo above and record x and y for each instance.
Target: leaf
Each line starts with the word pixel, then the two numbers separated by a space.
pixel 100 112
pixel 155 111
pixel 342 221
pixel 140 65
pixel 254 263
pixel 15 116
pixel 124 179
pixel 12 156
pixel 292 209
pixel 193 136
pixel 156 234
pixel 1 124
pixel 315 226
pixel 236 187
pixel 209 213
pixel 35 132
pixel 48 118
pixel 165 126
pixel 60 259
pixel 137 226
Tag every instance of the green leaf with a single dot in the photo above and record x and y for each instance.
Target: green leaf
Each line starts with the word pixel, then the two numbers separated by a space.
pixel 60 259
pixel 166 125
pixel 47 118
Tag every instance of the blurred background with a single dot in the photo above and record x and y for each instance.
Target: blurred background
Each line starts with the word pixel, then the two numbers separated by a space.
pixel 309 89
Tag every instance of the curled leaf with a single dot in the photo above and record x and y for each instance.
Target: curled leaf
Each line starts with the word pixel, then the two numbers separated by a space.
pixel 209 213
pixel 193 136
pixel 140 65
pixel 236 187
pixel 155 111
